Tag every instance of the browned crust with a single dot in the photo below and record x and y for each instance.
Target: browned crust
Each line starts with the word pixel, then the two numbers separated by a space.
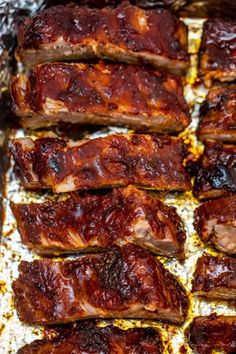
pixel 213 332
pixel 218 115
pixel 114 94
pixel 218 50
pixel 215 221
pixel 86 337
pixel 93 222
pixel 126 33
pixel 216 176
pixel 147 161
pixel 215 277
pixel 125 282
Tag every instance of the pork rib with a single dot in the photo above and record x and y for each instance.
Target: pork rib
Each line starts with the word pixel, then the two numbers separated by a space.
pixel 215 221
pixel 218 115
pixel 105 94
pixel 86 337
pixel 215 277
pixel 125 282
pixel 218 50
pixel 147 161
pixel 213 332
pixel 93 222
pixel 126 34
pixel 216 176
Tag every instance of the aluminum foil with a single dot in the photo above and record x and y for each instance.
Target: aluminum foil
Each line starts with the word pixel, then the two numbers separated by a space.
pixel 13 333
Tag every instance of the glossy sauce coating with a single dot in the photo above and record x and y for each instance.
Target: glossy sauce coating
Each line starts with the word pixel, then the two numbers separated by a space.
pixel 86 337
pixel 91 222
pixel 215 277
pixel 215 221
pixel 218 50
pixel 216 175
pixel 125 282
pixel 218 115
pixel 118 94
pixel 213 332
pixel 148 161
pixel 126 30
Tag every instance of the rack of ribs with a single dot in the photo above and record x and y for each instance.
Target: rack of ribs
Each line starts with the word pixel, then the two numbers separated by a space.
pixel 218 115
pixel 87 337
pixel 215 222
pixel 105 94
pixel 215 277
pixel 147 161
pixel 208 333
pixel 93 222
pixel 125 282
pixel 125 34
pixel 216 176
pixel 218 50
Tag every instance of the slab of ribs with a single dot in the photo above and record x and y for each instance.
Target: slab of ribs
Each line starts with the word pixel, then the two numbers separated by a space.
pixel 105 94
pixel 126 33
pixel 121 282
pixel 93 222
pixel 147 161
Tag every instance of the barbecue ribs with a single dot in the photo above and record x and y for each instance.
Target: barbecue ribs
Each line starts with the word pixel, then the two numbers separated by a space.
pixel 86 337
pixel 106 94
pixel 93 222
pixel 147 161
pixel 213 332
pixel 218 50
pixel 215 221
pixel 216 176
pixel 125 282
pixel 215 277
pixel 218 115
pixel 127 34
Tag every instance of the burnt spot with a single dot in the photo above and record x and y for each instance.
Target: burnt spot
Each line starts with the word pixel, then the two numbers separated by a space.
pixel 221 177
pixel 216 175
pixel 112 272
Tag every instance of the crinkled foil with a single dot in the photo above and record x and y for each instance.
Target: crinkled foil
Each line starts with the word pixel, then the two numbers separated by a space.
pixel 14 334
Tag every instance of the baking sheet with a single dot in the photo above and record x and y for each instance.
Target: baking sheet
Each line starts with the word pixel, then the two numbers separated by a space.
pixel 13 333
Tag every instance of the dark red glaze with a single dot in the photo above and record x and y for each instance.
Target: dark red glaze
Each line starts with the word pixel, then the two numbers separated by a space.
pixel 86 337
pixel 125 282
pixel 213 332
pixel 215 221
pixel 218 50
pixel 126 30
pixel 93 222
pixel 117 94
pixel 76 23
pixel 215 277
pixel 216 176
pixel 218 115
pixel 148 161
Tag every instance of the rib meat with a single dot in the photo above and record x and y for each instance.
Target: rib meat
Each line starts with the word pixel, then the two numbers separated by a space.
pixel 125 282
pixel 86 337
pixel 213 332
pixel 215 277
pixel 147 161
pixel 114 94
pixel 218 115
pixel 218 50
pixel 216 176
pixel 126 34
pixel 215 221
pixel 92 222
